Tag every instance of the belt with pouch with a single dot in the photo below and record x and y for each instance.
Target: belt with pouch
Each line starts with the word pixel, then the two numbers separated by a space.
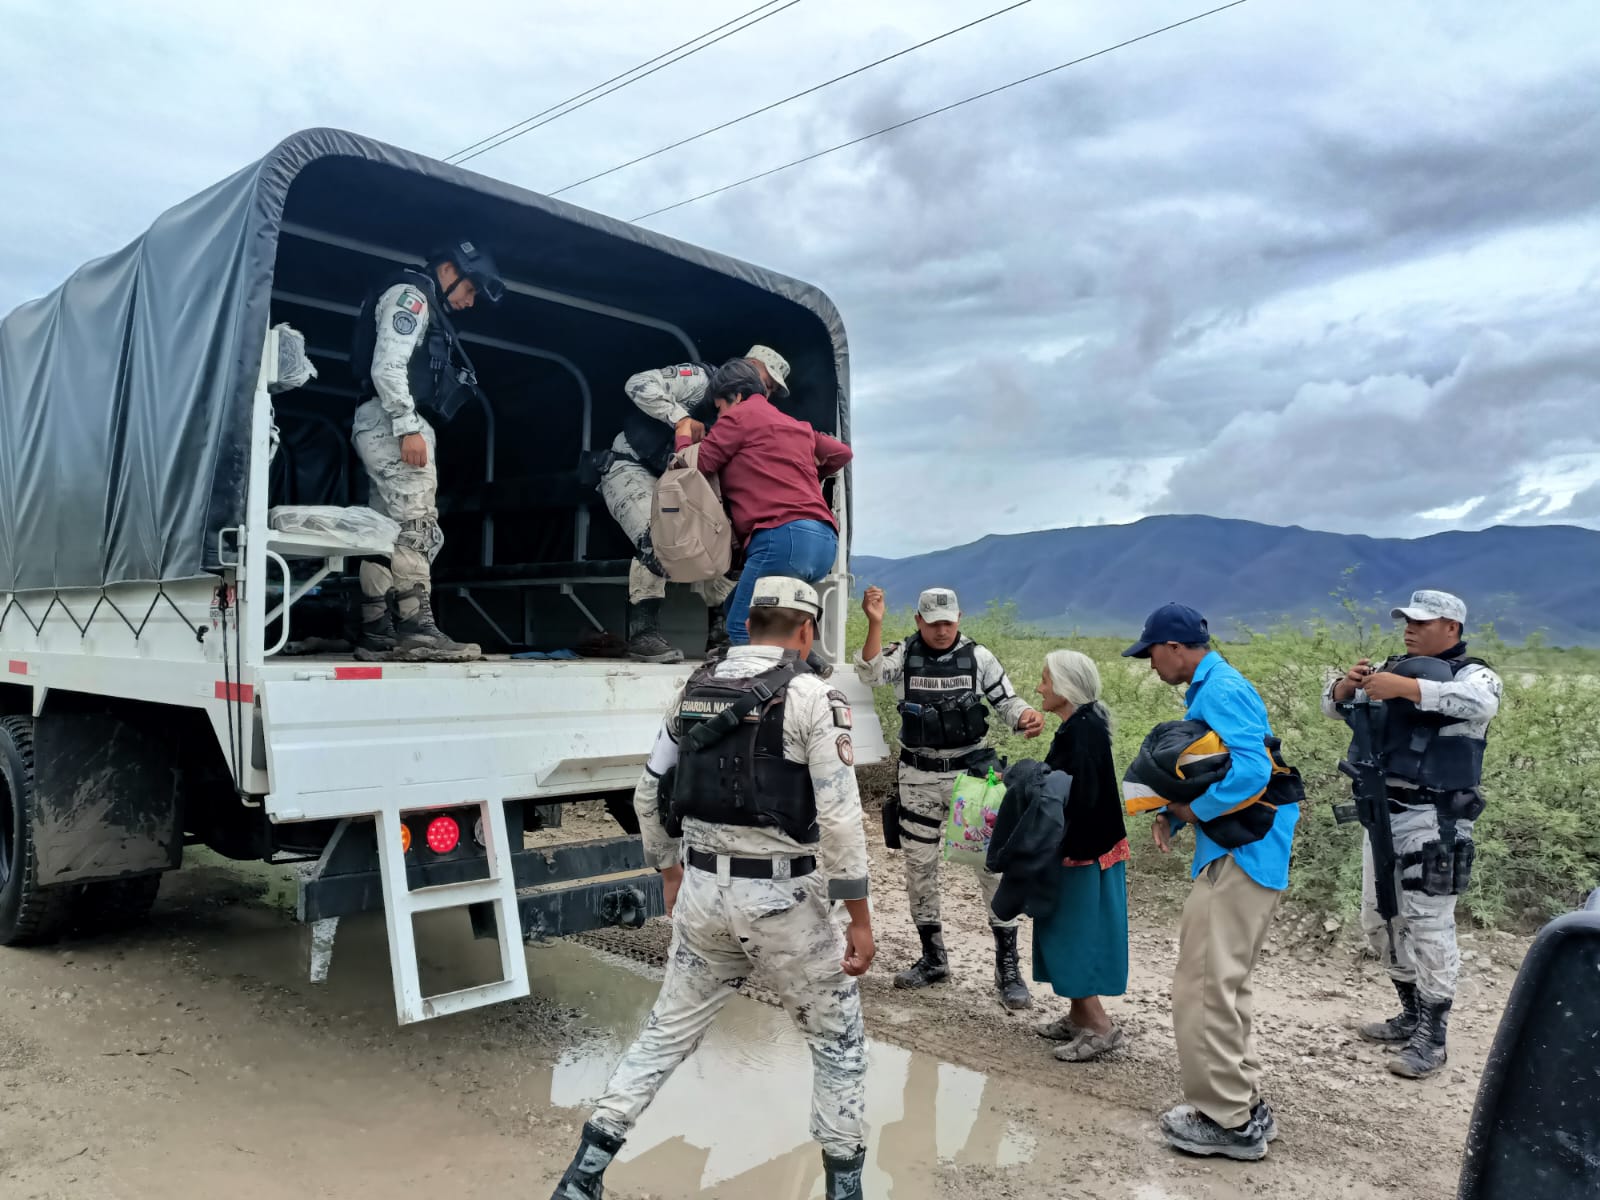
pixel 751 868
pixel 982 756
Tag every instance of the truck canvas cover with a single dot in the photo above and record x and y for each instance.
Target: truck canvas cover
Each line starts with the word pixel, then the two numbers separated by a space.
pixel 126 394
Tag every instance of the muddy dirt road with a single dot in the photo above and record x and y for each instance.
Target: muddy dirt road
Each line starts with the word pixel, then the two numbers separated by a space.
pixel 192 1059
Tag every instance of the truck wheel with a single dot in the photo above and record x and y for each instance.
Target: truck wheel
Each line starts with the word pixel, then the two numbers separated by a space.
pixel 113 905
pixel 30 913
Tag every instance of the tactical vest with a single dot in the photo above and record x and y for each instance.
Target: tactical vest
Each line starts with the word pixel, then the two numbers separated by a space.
pixel 654 441
pixel 1413 748
pixel 740 777
pixel 942 709
pixel 435 385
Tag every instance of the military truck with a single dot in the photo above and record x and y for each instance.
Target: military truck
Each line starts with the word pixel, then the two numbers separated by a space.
pixel 150 601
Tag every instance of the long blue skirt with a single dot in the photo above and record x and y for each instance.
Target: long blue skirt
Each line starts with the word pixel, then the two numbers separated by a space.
pixel 1081 949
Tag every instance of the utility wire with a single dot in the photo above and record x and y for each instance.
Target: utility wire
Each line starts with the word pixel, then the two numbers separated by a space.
pixel 778 103
pixel 641 66
pixel 856 141
pixel 528 125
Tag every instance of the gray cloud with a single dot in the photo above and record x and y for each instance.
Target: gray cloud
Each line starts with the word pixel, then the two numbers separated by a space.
pixel 1261 248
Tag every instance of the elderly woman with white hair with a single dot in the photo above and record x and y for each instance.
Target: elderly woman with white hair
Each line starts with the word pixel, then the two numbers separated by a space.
pixel 1081 949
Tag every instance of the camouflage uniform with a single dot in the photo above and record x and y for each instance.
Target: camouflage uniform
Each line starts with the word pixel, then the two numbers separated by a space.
pixel 628 487
pixel 406 493
pixel 723 929
pixel 926 794
pixel 1425 951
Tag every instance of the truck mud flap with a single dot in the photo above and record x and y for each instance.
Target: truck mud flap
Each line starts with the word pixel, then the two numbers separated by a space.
pixel 107 799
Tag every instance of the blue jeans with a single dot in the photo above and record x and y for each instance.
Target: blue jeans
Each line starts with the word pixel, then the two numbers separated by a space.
pixel 803 549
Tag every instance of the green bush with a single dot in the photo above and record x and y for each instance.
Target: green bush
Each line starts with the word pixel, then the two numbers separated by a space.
pixel 1538 840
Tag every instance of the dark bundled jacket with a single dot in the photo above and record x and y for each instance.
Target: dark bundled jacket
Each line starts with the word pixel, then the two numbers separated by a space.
pixel 1179 760
pixel 1082 748
pixel 1025 848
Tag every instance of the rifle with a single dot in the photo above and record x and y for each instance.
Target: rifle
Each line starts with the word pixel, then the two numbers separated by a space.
pixel 1370 802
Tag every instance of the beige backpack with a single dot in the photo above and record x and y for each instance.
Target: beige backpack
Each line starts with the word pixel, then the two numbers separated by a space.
pixel 689 528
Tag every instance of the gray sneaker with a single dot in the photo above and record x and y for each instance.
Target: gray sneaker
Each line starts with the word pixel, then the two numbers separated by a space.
pixel 1190 1130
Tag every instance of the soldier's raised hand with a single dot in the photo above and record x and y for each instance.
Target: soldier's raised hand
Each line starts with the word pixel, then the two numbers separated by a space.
pixel 873 605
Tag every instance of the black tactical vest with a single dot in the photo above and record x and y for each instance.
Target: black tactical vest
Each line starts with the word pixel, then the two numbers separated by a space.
pixel 654 441
pixel 742 777
pixel 433 379
pixel 942 709
pixel 1413 749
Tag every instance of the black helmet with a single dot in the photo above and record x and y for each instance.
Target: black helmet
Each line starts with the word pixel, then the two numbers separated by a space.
pixel 477 264
pixel 1422 666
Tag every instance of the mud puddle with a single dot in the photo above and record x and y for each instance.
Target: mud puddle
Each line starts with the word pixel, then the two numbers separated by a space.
pixel 732 1122
pixel 734 1117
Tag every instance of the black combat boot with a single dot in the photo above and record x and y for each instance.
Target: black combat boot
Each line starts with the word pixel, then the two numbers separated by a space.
pixel 933 966
pixel 377 640
pixel 1425 1054
pixel 843 1176
pixel 583 1178
pixel 717 641
pixel 418 639
pixel 1007 972
pixel 645 643
pixel 1396 1029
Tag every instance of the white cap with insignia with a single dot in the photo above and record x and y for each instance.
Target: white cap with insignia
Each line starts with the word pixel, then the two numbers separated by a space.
pixel 783 591
pixel 938 604
pixel 1429 605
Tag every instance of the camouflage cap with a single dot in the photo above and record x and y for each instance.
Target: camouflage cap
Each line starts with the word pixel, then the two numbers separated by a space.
pixel 1427 605
pixel 776 364
pixel 783 591
pixel 938 604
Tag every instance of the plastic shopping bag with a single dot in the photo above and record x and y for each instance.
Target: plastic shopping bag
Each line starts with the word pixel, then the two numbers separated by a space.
pixel 974 805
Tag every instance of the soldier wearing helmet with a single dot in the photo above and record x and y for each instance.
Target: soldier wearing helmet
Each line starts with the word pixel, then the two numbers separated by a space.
pixel 1438 702
pixel 408 360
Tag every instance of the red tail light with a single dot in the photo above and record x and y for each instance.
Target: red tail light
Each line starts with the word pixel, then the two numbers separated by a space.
pixel 443 835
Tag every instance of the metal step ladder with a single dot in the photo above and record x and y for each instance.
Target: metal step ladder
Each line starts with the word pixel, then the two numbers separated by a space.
pixel 401 903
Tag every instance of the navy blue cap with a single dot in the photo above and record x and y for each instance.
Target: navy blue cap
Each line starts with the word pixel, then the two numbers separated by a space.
pixel 1169 623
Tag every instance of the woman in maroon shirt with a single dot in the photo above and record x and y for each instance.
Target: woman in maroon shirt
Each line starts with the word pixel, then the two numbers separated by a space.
pixel 772 467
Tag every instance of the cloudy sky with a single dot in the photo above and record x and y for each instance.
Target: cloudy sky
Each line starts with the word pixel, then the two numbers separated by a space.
pixel 1335 265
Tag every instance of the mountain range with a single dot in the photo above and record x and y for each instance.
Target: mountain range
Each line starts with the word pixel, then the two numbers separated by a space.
pixel 1104 579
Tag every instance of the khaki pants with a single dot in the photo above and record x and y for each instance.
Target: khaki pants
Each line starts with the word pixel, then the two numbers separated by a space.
pixel 1225 924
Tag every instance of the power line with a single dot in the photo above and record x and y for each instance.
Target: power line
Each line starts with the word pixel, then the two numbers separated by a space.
pixel 856 141
pixel 777 103
pixel 579 96
pixel 628 77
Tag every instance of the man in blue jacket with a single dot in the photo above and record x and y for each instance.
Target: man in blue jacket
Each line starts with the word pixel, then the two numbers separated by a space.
pixel 1229 911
